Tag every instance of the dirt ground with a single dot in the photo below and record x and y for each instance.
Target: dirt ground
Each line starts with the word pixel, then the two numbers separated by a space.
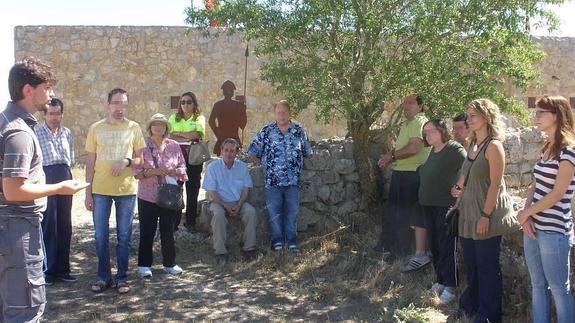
pixel 328 281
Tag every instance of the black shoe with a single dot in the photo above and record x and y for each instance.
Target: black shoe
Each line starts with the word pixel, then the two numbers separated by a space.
pixel 50 280
pixel 222 259
pixel 67 278
pixel 250 255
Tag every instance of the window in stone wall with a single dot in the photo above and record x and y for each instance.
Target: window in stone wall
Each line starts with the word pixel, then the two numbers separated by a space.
pixel 531 102
pixel 174 102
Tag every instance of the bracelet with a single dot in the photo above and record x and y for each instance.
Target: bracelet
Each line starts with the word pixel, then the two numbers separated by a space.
pixel 485 215
pixel 129 161
pixel 393 155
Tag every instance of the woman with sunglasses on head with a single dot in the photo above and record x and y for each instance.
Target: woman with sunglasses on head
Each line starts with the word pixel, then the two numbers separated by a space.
pixel 486 212
pixel 547 220
pixel 436 177
pixel 188 127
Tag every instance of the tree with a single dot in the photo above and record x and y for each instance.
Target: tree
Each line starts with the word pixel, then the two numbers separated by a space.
pixel 352 58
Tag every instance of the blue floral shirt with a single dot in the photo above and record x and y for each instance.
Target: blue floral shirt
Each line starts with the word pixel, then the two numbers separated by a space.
pixel 281 154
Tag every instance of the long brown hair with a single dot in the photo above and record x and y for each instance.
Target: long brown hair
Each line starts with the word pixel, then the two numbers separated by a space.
pixel 490 112
pixel 195 112
pixel 563 136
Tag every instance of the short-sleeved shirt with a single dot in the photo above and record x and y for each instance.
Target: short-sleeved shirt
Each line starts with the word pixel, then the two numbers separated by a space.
pixel 281 154
pixel 171 158
pixel 198 124
pixel 111 143
pixel 411 129
pixel 56 148
pixel 228 183
pixel 20 156
pixel 557 218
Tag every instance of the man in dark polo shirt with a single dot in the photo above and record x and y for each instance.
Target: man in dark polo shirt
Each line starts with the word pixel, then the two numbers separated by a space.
pixel 23 193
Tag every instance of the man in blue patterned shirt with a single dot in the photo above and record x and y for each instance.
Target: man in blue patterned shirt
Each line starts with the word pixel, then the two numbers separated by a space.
pixel 58 156
pixel 281 147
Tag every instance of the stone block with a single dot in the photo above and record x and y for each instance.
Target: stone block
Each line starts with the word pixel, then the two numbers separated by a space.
pixel 345 166
pixel 526 179
pixel 321 160
pixel 337 194
pixel 527 166
pixel 512 180
pixel 352 191
pixel 513 148
pixel 532 135
pixel 329 177
pixel 320 207
pixel 307 192
pixel 307 175
pixel 257 197
pixel 306 218
pixel 532 151
pixel 511 169
pixel 323 193
pixel 353 177
pixel 257 174
pixel 337 151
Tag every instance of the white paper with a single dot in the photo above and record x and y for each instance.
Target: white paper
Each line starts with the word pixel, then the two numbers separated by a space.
pixel 171 180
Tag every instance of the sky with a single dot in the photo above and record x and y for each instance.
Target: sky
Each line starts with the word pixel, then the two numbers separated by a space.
pixel 130 13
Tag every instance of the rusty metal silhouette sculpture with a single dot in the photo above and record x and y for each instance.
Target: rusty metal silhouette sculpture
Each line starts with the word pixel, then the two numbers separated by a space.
pixel 228 116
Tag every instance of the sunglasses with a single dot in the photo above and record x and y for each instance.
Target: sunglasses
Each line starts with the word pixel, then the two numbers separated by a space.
pixel 183 102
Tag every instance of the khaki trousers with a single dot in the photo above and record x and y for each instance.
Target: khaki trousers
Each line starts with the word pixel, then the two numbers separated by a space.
pixel 219 227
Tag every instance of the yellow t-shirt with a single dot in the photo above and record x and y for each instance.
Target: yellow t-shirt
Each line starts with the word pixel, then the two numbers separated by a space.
pixel 411 129
pixel 112 143
pixel 183 125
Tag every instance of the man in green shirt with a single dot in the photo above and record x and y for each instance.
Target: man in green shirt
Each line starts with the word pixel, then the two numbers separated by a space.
pixel 408 154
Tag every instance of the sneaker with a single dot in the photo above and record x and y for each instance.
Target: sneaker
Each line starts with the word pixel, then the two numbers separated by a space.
pixel 278 246
pixel 67 278
pixel 416 262
pixel 50 280
pixel 176 270
pixel 293 249
pixel 145 272
pixel 446 297
pixel 437 288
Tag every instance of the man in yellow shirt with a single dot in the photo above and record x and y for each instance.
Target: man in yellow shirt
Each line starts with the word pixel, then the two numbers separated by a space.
pixel 408 154
pixel 113 145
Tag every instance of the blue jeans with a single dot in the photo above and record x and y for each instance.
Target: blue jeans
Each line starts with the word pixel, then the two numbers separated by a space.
pixel 124 216
pixel 483 294
pixel 282 203
pixel 548 262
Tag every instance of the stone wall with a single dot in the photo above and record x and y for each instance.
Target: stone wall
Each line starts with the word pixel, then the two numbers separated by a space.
pixel 522 150
pixel 329 187
pixel 152 64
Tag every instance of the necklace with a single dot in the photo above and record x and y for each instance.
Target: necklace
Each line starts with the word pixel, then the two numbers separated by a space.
pixel 476 146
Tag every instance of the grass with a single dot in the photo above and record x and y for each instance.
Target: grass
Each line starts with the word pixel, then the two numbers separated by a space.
pixel 336 277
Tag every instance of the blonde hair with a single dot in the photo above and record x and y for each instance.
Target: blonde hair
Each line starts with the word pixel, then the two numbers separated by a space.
pixel 490 112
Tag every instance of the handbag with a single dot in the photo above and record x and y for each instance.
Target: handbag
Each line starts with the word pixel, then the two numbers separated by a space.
pixel 451 224
pixel 170 196
pixel 199 152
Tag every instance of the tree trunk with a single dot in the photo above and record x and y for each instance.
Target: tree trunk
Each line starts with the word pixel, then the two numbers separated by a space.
pixel 360 132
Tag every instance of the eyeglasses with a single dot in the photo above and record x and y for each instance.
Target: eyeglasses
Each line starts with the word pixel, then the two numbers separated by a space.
pixel 183 102
pixel 119 102
pixel 540 113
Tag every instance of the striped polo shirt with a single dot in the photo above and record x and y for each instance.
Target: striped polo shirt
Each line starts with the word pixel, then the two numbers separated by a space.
pixel 20 156
pixel 558 218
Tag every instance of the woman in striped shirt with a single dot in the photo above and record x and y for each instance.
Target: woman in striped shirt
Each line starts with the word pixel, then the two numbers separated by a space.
pixel 547 220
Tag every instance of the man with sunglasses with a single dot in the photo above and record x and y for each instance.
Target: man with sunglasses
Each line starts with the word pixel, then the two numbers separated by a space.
pixel 57 147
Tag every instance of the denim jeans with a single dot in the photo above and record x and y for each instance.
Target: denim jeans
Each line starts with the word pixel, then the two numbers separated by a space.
pixel 548 262
pixel 282 203
pixel 124 216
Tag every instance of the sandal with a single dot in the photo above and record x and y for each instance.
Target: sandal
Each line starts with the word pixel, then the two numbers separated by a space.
pixel 100 286
pixel 123 287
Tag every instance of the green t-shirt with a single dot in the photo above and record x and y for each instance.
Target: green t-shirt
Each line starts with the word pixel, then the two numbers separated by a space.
pixel 439 173
pixel 411 129
pixel 183 125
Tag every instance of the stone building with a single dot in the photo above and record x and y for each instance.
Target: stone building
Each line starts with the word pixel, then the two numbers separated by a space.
pixel 156 64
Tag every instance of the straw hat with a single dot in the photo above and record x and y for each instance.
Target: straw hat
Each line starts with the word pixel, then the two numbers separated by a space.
pixel 158 117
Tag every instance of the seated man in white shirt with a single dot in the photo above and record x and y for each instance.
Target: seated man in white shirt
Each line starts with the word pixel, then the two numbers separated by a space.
pixel 227 182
